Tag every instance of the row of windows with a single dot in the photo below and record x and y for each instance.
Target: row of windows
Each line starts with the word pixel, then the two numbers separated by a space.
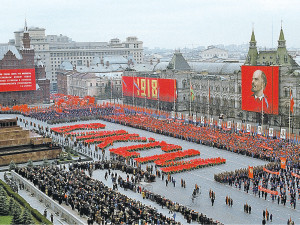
pixel 212 55
pixel 89 53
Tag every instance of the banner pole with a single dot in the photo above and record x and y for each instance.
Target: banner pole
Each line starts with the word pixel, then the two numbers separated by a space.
pixel 208 102
pixel 190 97
pixel 174 96
pixel 290 117
pixel 262 115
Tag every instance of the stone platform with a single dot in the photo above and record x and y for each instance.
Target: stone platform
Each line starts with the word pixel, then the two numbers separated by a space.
pixel 20 145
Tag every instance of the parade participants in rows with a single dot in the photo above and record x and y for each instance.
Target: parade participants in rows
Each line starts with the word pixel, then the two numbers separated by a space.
pixel 240 142
pixel 283 184
pixel 91 197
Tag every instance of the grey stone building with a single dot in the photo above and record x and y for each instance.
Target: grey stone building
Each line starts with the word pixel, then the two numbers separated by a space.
pixel 217 86
pixel 55 49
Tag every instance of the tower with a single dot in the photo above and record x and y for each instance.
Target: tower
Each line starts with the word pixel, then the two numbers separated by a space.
pixel 282 54
pixel 26 38
pixel 27 52
pixel 252 53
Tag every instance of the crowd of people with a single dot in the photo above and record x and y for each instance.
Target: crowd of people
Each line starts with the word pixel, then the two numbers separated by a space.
pixel 101 204
pixel 241 142
pixel 271 177
pixel 133 185
pixel 91 198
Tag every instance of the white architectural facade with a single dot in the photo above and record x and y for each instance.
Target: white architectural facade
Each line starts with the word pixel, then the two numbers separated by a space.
pixel 213 52
pixel 54 49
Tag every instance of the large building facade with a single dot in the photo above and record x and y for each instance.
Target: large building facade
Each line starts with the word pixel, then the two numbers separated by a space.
pixel 218 86
pixel 12 58
pixel 54 49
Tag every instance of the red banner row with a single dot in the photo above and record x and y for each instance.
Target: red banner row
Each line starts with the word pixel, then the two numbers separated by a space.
pixel 150 88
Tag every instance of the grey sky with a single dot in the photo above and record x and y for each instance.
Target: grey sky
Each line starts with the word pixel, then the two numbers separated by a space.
pixel 161 23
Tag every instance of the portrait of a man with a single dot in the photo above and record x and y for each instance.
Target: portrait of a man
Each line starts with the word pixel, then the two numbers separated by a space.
pixel 259 83
pixel 260 89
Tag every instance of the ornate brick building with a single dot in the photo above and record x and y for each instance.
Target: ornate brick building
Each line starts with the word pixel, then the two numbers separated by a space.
pixel 12 58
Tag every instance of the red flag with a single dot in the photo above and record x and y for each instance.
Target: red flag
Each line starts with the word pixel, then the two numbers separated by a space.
pixel 291 102
pixel 250 171
pixel 283 163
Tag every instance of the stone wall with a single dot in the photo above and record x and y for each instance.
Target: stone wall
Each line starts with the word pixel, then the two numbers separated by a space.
pixel 34 155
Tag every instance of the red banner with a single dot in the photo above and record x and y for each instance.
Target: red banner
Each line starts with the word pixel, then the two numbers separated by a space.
pixel 260 89
pixel 17 80
pixel 266 147
pixel 269 171
pixel 267 190
pixel 295 175
pixel 250 171
pixel 283 163
pixel 150 88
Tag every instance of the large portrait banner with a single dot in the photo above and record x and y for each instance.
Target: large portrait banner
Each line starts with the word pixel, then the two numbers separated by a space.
pixel 260 89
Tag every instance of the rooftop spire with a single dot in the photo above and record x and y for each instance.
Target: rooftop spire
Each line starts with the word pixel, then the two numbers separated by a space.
pixel 281 36
pixel 253 35
pixel 25 27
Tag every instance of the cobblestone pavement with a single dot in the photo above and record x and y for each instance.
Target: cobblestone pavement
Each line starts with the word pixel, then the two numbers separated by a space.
pixel 205 178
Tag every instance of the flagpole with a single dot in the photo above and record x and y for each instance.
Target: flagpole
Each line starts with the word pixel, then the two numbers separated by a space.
pixel 262 115
pixel 122 93
pixel 190 97
pixel 132 90
pixel 157 97
pixel 208 102
pixel 110 89
pixel 290 117
pixel 174 96
pixel 145 92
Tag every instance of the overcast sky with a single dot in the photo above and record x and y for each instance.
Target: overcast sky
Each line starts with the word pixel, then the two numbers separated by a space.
pixel 158 23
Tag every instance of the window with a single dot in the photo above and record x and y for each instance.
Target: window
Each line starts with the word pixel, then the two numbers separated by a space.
pixel 286 92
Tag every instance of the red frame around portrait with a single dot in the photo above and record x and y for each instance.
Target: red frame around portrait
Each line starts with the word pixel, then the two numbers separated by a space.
pixel 270 106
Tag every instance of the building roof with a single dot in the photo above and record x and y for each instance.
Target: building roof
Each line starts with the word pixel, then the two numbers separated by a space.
pixel 101 68
pixel 213 50
pixel 297 60
pixel 5 48
pixel 143 67
pixel 84 75
pixel 96 61
pixel 118 59
pixel 178 62
pixel 216 68
pixel 161 66
pixel 66 65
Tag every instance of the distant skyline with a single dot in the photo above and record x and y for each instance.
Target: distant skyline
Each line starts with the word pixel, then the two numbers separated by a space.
pixel 169 24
